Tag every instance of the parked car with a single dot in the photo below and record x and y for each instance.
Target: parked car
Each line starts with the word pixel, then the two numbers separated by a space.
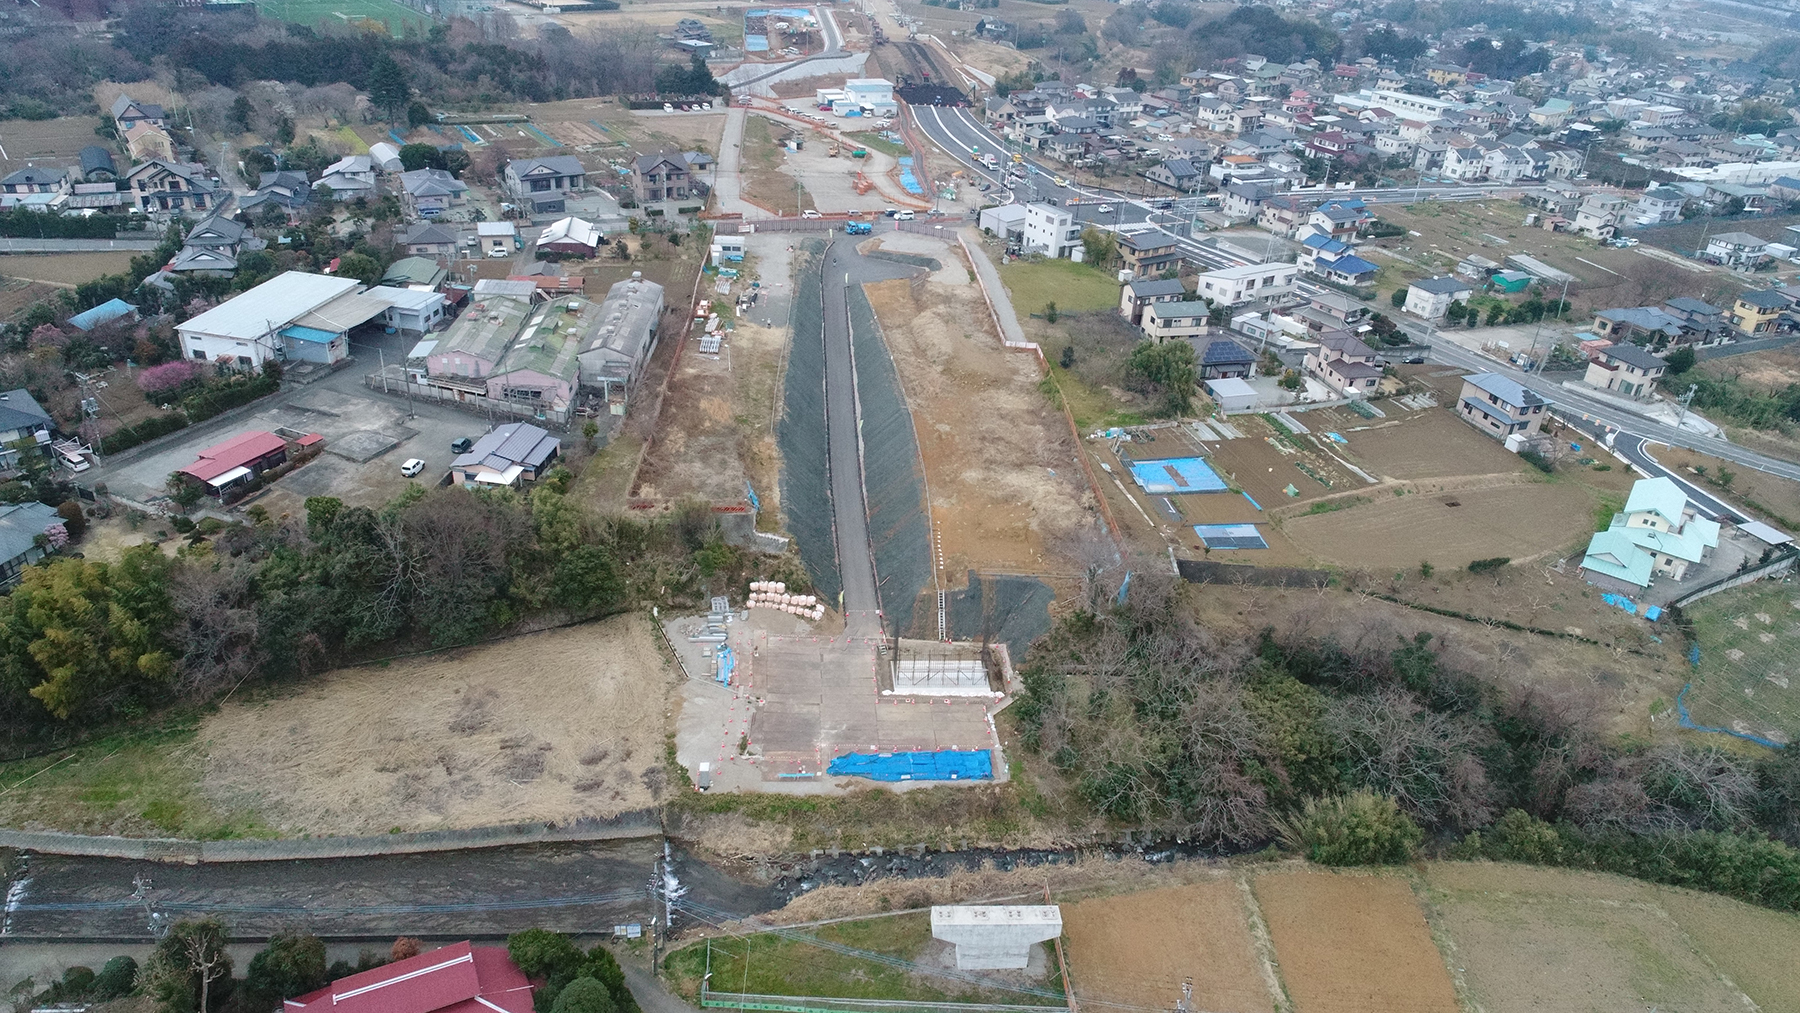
pixel 412 467
pixel 461 445
pixel 903 216
pixel 810 213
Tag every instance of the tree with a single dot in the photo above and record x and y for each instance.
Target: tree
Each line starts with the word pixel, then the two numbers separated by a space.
pixel 414 157
pixel 116 979
pixel 587 579
pixel 404 947
pixel 363 268
pixel 1398 299
pixel 584 995
pixel 388 87
pixel 417 115
pixel 1681 360
pixel 1169 367
pixel 241 111
pixel 293 963
pixel 1358 829
pixel 74 519
pixel 87 638
pixel 185 963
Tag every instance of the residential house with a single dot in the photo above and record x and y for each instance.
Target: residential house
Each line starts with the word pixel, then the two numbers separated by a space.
pixel 1756 313
pixel 1163 321
pixel 410 310
pixel 22 526
pixel 168 186
pixel 498 239
pixel 1659 205
pixel 1234 286
pixel 1625 368
pixel 662 177
pixel 1177 174
pixel 507 455
pixel 35 179
pixel 1339 219
pixel 1051 231
pixel 428 239
pixel 97 165
pixel 1222 358
pixel 572 237
pixel 541 184
pixel 1148 254
pixel 236 461
pixel 1501 407
pixel 1284 213
pixel 287 188
pixel 458 978
pixel 1430 298
pixel 1342 268
pixel 146 143
pixel 1134 296
pixel 1597 217
pixel 1659 533
pixel 1700 321
pixel 428 193
pixel 128 113
pixel 1643 324
pixel 1739 250
pixel 1344 363
pixel 348 178
pixel 1243 201
pixel 22 418
pixel 422 273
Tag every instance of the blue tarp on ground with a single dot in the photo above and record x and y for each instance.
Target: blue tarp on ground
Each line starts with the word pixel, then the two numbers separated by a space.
pixel 1178 474
pixel 942 765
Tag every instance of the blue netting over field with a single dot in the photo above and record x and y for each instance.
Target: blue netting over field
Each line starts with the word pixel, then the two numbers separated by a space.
pixel 942 765
pixel 1176 474
pixel 1230 536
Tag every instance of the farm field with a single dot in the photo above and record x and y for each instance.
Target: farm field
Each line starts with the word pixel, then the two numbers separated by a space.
pixel 1529 940
pixel 1353 944
pixel 64 269
pixel 1073 287
pixel 550 726
pixel 1003 492
pixel 37 140
pixel 1749 674
pixel 398 18
pixel 1136 948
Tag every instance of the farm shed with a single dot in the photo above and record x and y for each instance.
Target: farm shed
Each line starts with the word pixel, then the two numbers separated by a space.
pixel 1232 394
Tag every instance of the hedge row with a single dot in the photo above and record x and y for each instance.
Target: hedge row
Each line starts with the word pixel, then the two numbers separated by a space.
pixel 143 432
pixel 197 408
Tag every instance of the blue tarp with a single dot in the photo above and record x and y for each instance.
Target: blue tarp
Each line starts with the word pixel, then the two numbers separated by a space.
pixel 1230 536
pixel 300 333
pixel 1178 474
pixel 907 180
pixel 1621 602
pixel 943 765
pixel 727 664
pixel 112 309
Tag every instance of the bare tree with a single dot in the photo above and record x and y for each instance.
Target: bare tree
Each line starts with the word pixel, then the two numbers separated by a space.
pixel 219 630
pixel 1398 748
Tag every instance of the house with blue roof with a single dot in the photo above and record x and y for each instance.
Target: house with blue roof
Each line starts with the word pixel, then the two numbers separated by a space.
pixel 1500 406
pixel 105 313
pixel 1658 534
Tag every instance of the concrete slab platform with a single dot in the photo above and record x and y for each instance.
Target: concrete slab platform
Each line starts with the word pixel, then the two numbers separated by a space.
pixel 364 445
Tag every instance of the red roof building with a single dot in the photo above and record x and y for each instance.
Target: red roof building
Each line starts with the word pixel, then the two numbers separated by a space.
pixel 239 457
pixel 458 978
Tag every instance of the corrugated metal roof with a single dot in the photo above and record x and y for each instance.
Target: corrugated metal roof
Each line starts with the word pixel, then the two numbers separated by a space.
pixel 270 306
pixel 237 452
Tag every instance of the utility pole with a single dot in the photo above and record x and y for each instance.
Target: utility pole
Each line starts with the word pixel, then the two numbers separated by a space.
pixel 1686 400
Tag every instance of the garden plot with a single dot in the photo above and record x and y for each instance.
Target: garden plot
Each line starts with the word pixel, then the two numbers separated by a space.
pixel 548 727
pixel 1004 487
pixel 1353 944
pixel 1135 949
pixel 1749 674
pixel 59 140
pixel 1531 940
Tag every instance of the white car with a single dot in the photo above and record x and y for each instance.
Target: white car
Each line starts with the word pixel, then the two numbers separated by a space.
pixel 412 467
pixel 1105 209
pixel 903 216
pixel 810 213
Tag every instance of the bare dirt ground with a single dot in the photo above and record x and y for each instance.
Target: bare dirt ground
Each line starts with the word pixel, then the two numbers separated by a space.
pixel 1353 944
pixel 65 269
pixel 553 726
pixel 1616 680
pixel 1004 490
pixel 17 293
pixel 1136 948
pixel 1535 940
pixel 1772 369
pixel 60 139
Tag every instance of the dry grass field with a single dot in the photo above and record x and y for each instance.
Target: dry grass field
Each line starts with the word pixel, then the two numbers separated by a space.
pixel 59 140
pixel 1531 940
pixel 1353 944
pixel 64 269
pixel 1775 499
pixel 552 726
pixel 1136 948
pixel 1004 491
